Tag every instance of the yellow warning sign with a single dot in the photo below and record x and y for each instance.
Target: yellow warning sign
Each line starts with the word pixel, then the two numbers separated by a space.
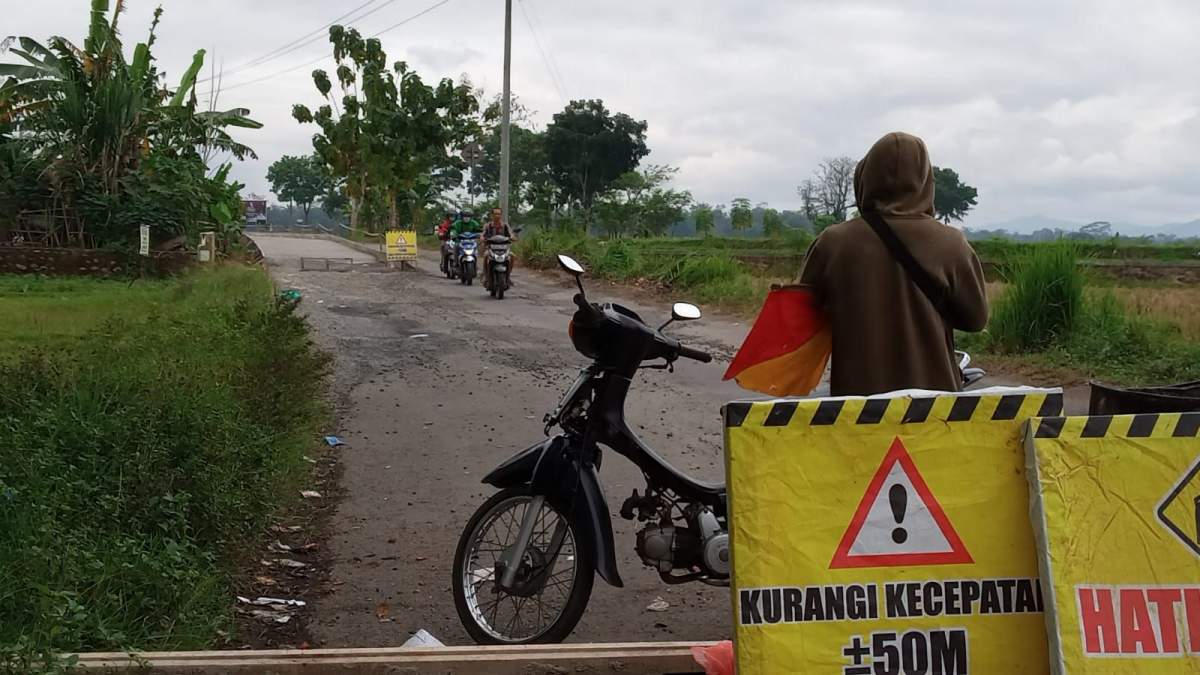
pixel 885 535
pixel 401 245
pixel 1117 512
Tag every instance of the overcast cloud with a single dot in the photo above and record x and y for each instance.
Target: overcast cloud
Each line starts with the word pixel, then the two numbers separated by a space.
pixel 1073 109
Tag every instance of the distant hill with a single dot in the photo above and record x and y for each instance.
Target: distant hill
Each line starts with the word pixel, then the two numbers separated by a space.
pixel 1028 225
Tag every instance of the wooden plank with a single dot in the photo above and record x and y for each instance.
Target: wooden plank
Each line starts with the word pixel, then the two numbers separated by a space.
pixel 641 657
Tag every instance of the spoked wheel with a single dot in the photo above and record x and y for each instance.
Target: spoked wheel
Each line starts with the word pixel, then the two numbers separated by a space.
pixel 553 581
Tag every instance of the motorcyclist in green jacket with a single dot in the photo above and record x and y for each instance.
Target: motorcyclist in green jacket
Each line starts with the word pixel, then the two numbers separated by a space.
pixel 464 224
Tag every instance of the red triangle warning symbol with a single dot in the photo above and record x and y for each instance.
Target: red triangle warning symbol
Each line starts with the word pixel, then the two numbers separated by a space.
pixel 899 523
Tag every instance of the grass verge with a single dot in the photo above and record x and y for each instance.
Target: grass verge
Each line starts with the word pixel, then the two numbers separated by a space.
pixel 147 432
pixel 710 276
pixel 1047 316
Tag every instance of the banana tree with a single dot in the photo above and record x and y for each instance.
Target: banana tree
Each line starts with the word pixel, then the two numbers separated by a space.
pixel 92 116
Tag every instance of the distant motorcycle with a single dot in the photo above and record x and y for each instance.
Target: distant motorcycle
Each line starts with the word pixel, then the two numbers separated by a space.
pixel 449 268
pixel 499 257
pixel 466 249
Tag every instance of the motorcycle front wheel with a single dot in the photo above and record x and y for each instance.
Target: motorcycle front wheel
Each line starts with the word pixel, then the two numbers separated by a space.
pixel 551 588
pixel 498 285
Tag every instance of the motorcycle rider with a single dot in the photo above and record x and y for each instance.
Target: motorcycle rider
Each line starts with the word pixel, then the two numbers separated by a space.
pixel 495 227
pixel 465 224
pixel 443 235
pixel 443 228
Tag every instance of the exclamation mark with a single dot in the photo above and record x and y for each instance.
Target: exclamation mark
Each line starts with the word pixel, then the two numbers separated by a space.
pixel 898 496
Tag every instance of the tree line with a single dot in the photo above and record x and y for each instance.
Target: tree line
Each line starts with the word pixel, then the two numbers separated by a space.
pixel 390 147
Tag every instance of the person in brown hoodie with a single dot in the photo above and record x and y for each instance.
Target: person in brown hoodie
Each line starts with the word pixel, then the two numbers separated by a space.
pixel 887 333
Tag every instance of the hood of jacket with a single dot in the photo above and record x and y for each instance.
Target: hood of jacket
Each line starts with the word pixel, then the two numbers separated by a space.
pixel 895 178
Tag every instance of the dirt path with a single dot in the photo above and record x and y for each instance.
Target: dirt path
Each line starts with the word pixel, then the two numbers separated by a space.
pixel 438 383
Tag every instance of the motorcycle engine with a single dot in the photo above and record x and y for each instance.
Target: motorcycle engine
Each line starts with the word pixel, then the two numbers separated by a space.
pixel 706 546
pixel 665 548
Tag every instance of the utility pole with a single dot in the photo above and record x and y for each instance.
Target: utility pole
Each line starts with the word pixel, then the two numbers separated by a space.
pixel 504 118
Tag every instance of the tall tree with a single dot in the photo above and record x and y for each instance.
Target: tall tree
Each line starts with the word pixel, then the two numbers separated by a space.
pixel 741 214
pixel 299 180
pixel 830 190
pixel 639 203
pixel 952 198
pixel 392 134
pixel 772 222
pixel 588 148
pixel 702 214
pixel 527 165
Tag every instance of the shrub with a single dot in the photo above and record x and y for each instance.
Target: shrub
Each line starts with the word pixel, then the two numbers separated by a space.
pixel 136 461
pixel 1041 303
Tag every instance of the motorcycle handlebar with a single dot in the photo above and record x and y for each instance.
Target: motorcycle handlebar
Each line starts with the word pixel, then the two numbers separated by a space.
pixel 694 354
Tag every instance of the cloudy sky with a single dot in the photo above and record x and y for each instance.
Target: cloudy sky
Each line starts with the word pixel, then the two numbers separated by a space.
pixel 1073 109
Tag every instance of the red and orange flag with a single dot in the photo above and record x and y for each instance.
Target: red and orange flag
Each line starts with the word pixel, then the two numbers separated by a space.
pixel 788 347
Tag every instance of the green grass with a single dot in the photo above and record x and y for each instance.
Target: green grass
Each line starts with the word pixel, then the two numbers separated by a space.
pixel 1046 317
pixel 1007 251
pixel 1040 305
pixel 695 272
pixel 147 433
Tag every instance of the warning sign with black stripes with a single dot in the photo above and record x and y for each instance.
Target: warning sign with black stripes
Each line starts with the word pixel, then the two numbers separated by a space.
pixel 1117 513
pixel 885 534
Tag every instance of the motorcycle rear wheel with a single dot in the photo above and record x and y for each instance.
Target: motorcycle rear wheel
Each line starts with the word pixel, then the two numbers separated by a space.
pixel 475 569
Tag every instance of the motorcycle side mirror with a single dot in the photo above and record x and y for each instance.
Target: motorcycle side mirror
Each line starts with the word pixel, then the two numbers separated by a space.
pixel 682 311
pixel 568 264
pixel 685 311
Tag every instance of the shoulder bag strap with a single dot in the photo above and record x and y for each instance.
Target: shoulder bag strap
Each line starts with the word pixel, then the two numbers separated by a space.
pixel 933 290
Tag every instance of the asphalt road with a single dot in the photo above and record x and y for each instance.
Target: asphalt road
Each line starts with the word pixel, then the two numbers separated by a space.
pixel 438 383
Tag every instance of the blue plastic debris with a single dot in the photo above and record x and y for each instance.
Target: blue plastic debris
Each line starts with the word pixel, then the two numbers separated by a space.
pixel 333 441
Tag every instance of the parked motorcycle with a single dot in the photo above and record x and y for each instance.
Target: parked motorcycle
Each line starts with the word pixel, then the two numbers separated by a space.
pixel 466 246
pixel 501 268
pixel 525 564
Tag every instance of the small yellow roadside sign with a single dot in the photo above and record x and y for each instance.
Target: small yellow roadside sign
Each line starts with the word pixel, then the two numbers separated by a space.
pixel 401 245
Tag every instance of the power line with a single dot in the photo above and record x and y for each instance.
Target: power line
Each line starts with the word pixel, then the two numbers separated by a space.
pixel 545 60
pixel 264 58
pixel 309 38
pixel 537 22
pixel 264 78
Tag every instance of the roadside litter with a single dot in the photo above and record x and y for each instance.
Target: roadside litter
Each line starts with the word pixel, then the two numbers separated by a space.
pixel 333 441
pixel 278 610
pixel 310 494
pixel 658 605
pixel 275 603
pixel 422 639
